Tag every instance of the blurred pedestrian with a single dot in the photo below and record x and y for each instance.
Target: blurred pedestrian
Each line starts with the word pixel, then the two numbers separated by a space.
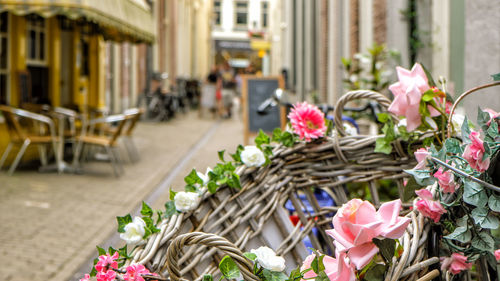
pixel 227 84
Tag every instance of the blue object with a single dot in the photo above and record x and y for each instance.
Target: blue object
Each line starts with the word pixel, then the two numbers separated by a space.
pixel 345 119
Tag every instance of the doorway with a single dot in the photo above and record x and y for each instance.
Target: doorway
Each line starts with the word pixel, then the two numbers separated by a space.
pixel 66 63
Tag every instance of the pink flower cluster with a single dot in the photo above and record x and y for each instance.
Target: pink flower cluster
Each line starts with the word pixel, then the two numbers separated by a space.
pixel 357 222
pixel 474 152
pixel 407 93
pixel 446 180
pixel 456 263
pixel 107 265
pixel 307 121
pixel 428 206
pixel 336 269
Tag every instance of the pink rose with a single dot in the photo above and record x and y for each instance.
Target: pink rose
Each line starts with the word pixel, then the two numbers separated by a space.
pixel 497 255
pixel 474 152
pixel 109 275
pixel 446 180
pixel 456 263
pixel 135 272
pixel 357 222
pixel 421 155
pixel 429 207
pixel 106 261
pixel 407 95
pixel 336 269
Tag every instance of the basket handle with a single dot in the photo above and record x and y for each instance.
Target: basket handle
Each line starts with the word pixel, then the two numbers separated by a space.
pixel 354 95
pixel 461 97
pixel 211 240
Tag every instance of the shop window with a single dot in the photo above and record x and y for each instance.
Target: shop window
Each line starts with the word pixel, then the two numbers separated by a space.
pixel 36 40
pixel 4 64
pixel 241 14
pixel 84 49
pixel 217 13
pixel 264 14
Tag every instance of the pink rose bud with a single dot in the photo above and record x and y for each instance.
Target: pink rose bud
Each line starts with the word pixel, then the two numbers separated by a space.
pixel 474 152
pixel 456 263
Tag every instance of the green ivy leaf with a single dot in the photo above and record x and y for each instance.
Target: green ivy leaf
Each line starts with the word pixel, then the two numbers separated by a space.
pixel 150 225
pixel 496 77
pixel 236 156
pixel 101 251
pixel 485 220
pixel 409 189
pixel 429 95
pixel 221 155
pixel 193 178
pixel 494 203
pixel 229 269
pixel 317 263
pixel 190 188
pixel 296 275
pixel 288 139
pixel 273 275
pixel 93 273
pixel 123 252
pixel 493 130
pixel 474 194
pixel 383 117
pixel 250 256
pixel 170 209
pixel 461 234
pixel 422 177
pixel 387 248
pixel 453 146
pixel 208 277
pixel 465 131
pixel 482 119
pixel 122 222
pixel 483 242
pixel 212 187
pixel 383 146
pixel 261 139
pixel 172 195
pixel 376 273
pixel 146 210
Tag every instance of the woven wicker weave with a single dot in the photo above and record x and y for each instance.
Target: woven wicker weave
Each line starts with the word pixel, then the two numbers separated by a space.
pixel 254 216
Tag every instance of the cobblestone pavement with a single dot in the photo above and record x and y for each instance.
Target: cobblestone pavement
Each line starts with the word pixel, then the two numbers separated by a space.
pixel 51 223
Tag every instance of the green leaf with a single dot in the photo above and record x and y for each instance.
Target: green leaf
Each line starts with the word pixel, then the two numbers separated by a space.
pixel 429 95
pixel 493 130
pixel 123 252
pixel 170 209
pixel 236 156
pixel 288 139
pixel 193 178
pixel 190 188
pixel 150 225
pixel 93 273
pixel 172 194
pixel 474 194
pixel 485 220
pixel 208 277
pixel 146 210
pixel 101 251
pixel 261 139
pixel 453 146
pixel 235 179
pixel 429 76
pixel 494 203
pixel 111 250
pixel 409 189
pixel 212 187
pixel 376 273
pixel 465 131
pixel 273 275
pixel 482 119
pixel 221 155
pixel 483 242
pixel 229 269
pixel 296 275
pixel 250 256
pixel 496 77
pixel 122 222
pixel 461 234
pixel 386 247
pixel 383 146
pixel 422 177
pixel 383 117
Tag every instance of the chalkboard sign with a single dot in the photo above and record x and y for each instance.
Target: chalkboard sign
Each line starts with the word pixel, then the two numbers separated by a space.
pixel 255 90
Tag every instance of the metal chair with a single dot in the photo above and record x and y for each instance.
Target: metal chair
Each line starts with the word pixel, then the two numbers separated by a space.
pixel 23 135
pixel 108 142
pixel 132 115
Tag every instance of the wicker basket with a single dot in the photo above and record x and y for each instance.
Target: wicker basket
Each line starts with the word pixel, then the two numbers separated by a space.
pixel 232 221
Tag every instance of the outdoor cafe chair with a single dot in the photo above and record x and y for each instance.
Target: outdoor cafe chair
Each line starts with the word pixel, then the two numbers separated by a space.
pixel 108 142
pixel 24 134
pixel 133 115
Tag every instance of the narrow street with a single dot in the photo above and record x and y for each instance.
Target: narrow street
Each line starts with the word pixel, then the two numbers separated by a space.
pixel 51 223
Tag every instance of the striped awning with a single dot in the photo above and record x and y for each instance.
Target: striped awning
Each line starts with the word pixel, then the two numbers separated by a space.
pixel 132 19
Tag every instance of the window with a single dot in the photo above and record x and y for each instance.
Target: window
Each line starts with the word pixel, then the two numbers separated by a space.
pixel 264 16
pixel 4 64
pixel 241 13
pixel 217 12
pixel 36 40
pixel 84 56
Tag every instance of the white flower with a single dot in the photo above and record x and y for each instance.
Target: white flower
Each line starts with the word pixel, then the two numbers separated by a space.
pixel 134 231
pixel 186 201
pixel 349 129
pixel 457 120
pixel 268 259
pixel 204 177
pixel 252 156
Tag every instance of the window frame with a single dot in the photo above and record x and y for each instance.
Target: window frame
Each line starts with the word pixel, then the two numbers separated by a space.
pixel 236 11
pixel 217 11
pixel 37 61
pixel 5 71
pixel 264 12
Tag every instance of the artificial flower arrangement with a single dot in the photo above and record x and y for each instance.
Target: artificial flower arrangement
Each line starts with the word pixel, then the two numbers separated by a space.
pixel 458 196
